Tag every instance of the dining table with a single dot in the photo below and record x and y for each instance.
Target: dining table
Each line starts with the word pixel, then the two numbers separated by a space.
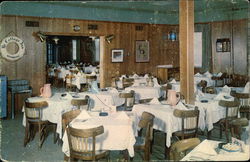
pixel 146 92
pixel 209 150
pixel 165 120
pixel 80 78
pixel 58 104
pixel 119 131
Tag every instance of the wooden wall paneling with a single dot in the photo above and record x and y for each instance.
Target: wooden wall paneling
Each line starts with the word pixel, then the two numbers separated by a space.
pixel 240 47
pixel 221 60
pixel 125 44
pixel 8 68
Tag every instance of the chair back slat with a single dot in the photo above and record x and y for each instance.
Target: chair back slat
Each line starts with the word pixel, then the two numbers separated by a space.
pixel 33 110
pixel 83 140
pixel 129 98
pixel 68 117
pixel 189 121
pixel 81 103
pixel 232 107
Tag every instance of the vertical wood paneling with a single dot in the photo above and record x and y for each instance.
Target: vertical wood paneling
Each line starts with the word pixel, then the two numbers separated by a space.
pixel 162 51
pixel 237 58
pixel 240 47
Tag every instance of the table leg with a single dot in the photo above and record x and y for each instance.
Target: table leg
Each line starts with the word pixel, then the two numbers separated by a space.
pixel 167 153
pixel 209 134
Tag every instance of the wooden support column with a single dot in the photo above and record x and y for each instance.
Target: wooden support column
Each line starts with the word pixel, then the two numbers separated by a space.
pixel 186 38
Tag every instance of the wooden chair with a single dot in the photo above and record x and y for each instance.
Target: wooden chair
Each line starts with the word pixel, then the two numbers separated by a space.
pixel 67 117
pixel 81 103
pixel 189 123
pixel 79 145
pixel 232 108
pixel 129 99
pixel 127 82
pixel 33 114
pixel 144 142
pixel 236 126
pixel 114 82
pixel 165 89
pixel 58 81
pixel 244 105
pixel 142 101
pixel 178 150
pixel 221 78
pixel 69 80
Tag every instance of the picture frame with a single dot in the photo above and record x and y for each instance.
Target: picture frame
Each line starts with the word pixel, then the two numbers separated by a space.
pixel 142 51
pixel 117 55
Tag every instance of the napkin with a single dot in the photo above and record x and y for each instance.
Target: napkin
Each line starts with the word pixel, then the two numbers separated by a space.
pixel 219 74
pixel 247 88
pixel 226 89
pixel 135 76
pixel 146 76
pixel 123 76
pixel 198 75
pixel 173 81
pixel 180 106
pixel 83 115
pixel 93 73
pixel 208 150
pixel 122 116
pixel 156 84
pixel 207 74
pixel 155 101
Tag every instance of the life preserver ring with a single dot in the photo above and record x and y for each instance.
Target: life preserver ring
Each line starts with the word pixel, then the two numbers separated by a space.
pixel 10 56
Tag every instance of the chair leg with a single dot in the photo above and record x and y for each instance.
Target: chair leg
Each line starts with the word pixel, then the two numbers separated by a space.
pixel 27 134
pixel 220 131
pixel 226 132
pixel 66 158
pixel 39 134
pixel 147 154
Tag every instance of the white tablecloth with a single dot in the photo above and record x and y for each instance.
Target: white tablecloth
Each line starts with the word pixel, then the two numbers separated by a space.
pixel 80 78
pixel 103 99
pixel 53 113
pixel 164 119
pixel 145 92
pixel 118 132
pixel 176 86
pixel 205 151
pixel 57 105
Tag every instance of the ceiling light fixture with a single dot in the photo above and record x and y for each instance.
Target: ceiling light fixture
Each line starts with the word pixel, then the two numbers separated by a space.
pixel 56 39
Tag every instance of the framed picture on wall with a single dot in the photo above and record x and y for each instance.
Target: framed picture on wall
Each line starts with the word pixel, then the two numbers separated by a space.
pixel 117 55
pixel 142 51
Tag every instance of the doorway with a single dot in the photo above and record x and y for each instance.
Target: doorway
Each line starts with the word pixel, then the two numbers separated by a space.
pixel 73 49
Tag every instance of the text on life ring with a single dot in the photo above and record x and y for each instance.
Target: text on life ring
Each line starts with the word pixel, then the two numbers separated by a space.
pixel 10 56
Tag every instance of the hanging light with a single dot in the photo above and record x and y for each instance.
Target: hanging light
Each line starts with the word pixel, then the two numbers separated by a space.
pixel 56 39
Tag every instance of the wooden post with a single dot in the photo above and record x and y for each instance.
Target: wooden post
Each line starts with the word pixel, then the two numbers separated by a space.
pixel 186 38
pixel 102 64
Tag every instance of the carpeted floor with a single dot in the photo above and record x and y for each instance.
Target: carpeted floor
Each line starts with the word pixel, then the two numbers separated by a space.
pixel 12 135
